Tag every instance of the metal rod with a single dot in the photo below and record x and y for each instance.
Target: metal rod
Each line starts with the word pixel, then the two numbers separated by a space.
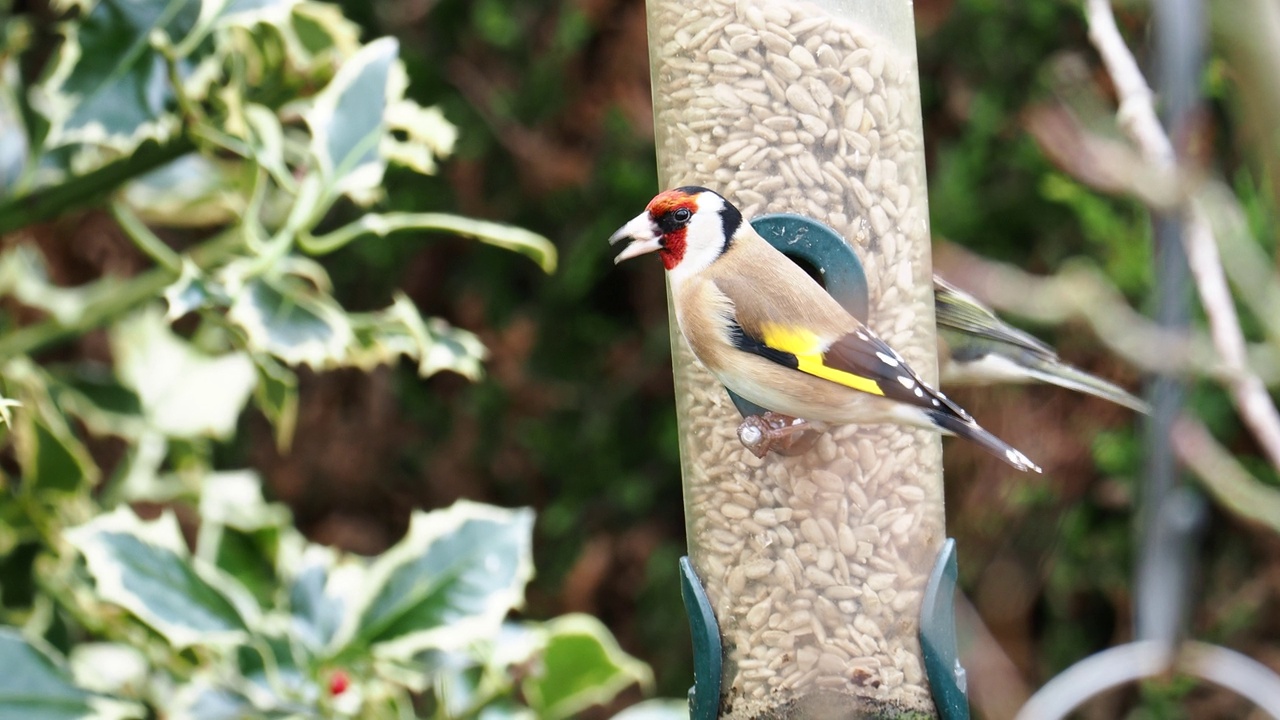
pixel 1169 513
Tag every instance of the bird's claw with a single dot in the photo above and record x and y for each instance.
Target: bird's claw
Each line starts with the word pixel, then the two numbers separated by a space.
pixel 782 434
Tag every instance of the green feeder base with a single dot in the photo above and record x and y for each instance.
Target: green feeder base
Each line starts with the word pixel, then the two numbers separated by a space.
pixel 938 638
pixel 937 641
pixel 708 660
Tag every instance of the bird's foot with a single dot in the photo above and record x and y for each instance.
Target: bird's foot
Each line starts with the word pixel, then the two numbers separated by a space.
pixel 782 434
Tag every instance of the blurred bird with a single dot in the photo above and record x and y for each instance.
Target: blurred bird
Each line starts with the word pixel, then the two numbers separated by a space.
pixel 977 348
pixel 773 335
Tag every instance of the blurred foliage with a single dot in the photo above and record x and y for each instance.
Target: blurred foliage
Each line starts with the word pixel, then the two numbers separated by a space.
pixel 574 415
pixel 143 570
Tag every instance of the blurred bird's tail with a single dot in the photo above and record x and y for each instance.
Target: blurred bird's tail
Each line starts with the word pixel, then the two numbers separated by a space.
pixel 970 430
pixel 1072 378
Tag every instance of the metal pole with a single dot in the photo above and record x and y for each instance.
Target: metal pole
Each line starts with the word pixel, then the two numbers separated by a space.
pixel 1169 512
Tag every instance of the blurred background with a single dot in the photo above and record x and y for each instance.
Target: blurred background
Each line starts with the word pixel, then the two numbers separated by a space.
pixel 575 417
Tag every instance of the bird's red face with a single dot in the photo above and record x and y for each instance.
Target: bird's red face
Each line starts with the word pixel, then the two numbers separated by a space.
pixel 689 227
pixel 671 212
pixel 662 227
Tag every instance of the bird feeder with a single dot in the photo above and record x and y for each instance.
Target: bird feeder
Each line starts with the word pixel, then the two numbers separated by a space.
pixel 808 573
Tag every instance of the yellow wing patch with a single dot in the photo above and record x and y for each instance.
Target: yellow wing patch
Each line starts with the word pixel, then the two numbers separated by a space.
pixel 808 349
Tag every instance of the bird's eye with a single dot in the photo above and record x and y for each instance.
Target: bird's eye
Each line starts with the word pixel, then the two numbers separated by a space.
pixel 683 215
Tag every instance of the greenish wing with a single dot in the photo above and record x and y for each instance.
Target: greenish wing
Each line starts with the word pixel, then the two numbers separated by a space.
pixel 958 311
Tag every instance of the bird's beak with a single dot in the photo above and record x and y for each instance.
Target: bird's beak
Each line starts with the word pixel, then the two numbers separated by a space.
pixel 643 235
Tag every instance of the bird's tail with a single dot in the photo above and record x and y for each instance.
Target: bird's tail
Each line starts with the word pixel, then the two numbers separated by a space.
pixel 970 430
pixel 1072 378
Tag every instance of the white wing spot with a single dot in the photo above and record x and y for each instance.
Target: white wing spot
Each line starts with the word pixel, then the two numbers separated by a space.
pixel 886 359
pixel 908 383
pixel 861 335
pixel 935 401
pixel 919 392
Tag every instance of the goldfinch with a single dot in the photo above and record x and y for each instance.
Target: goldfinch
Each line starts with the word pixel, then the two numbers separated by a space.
pixel 773 335
pixel 977 348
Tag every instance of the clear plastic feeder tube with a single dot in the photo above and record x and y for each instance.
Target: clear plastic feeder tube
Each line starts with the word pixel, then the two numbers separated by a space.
pixel 815 564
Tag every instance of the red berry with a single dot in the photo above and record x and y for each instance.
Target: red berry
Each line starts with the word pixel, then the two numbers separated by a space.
pixel 339 681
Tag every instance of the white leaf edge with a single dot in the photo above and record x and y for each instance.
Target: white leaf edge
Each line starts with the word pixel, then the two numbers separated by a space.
pixel 162 533
pixel 367 177
pixel 424 529
pixel 630 670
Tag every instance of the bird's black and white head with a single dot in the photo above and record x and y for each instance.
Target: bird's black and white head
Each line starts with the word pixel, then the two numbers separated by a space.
pixel 689 227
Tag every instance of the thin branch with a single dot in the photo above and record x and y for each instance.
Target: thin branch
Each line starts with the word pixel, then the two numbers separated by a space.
pixel 1137 116
pixel 1247 389
pixel 1233 486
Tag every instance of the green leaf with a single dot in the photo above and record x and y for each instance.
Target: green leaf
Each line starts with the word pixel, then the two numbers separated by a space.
pixel 277 397
pixel 48 450
pixel 347 123
pixel 192 291
pixel 92 393
pixel 24 276
pixel 51 456
pixel 400 330
pixel 184 393
pixel 317 594
pixel 36 686
pixel 449 582
pixel 14 140
pixel 240 532
pixel 276 667
pixel 108 85
pixel 144 567
pixel 202 700
pixel 193 191
pixel 525 242
pixel 290 320
pixel 581 666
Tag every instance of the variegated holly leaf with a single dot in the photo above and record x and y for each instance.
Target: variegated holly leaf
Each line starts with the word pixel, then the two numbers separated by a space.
pixel 240 532
pixel 192 191
pixel 277 397
pixel 93 394
pixel 509 237
pixel 400 330
pixel 347 125
pixel 184 393
pixel 145 568
pixel 580 666
pixel 36 685
pixel 192 291
pixel 289 319
pixel 49 452
pixel 449 582
pixel 107 667
pixel 25 277
pixel 428 136
pixel 14 142
pixel 275 667
pixel 108 86
pixel 321 590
